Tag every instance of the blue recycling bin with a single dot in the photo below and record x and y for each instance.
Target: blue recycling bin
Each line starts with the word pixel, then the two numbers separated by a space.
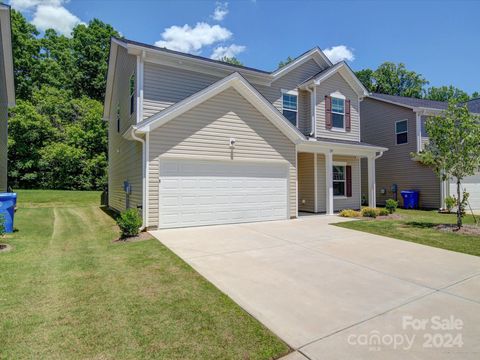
pixel 410 199
pixel 7 209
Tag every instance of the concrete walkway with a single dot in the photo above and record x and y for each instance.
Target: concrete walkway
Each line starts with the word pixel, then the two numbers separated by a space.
pixel 334 293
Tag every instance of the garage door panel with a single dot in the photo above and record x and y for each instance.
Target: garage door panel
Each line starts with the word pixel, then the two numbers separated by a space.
pixel 194 193
pixel 472 186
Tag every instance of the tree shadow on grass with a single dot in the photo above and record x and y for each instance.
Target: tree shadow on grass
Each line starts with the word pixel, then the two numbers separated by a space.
pixel 421 224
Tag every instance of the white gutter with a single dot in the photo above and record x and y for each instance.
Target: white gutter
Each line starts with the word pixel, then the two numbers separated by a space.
pixel 144 178
pixel 313 109
pixel 379 155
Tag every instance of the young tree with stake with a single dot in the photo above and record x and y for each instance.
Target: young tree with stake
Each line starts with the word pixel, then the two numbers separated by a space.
pixel 453 150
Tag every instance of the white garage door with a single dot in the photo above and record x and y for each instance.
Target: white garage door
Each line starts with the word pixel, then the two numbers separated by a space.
pixel 197 192
pixel 472 185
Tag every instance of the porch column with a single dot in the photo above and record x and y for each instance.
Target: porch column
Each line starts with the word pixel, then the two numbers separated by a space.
pixel 329 182
pixel 372 194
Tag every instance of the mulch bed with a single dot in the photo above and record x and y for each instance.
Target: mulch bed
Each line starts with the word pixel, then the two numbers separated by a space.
pixel 4 247
pixel 466 229
pixel 390 217
pixel 140 237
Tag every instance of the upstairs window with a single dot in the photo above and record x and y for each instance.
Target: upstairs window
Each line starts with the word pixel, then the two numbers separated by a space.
pixel 338 113
pixel 401 132
pixel 290 107
pixel 132 93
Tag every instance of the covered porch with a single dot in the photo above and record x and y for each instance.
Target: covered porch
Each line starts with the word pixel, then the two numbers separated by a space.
pixel 329 175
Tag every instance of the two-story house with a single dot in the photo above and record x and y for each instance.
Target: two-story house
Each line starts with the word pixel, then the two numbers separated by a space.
pixel 7 89
pixel 398 123
pixel 194 141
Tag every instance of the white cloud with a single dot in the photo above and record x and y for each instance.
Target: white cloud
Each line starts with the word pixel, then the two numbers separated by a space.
pixel 221 10
pixel 339 53
pixel 55 17
pixel 23 5
pixel 192 39
pixel 228 51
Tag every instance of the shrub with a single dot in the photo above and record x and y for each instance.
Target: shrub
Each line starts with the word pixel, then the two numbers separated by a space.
pixel 383 212
pixel 369 212
pixel 129 223
pixel 391 205
pixel 450 202
pixel 350 213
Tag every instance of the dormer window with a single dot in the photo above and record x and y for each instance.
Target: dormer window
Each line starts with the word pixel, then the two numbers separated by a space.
pixel 338 113
pixel 290 106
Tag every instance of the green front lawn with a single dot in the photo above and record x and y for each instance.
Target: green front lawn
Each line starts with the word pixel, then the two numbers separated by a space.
pixel 419 226
pixel 68 291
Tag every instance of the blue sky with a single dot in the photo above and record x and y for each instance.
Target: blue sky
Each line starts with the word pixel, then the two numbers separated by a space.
pixel 439 39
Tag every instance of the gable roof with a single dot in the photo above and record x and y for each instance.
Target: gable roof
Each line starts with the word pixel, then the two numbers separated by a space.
pixel 6 42
pixel 410 102
pixel 201 64
pixel 344 70
pixel 474 105
pixel 239 83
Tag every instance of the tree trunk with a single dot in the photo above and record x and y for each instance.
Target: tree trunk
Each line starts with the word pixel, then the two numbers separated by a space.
pixel 459 208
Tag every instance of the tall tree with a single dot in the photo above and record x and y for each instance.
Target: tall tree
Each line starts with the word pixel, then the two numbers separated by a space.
pixel 395 79
pixel 453 150
pixel 287 61
pixel 26 53
pixel 91 44
pixel 446 93
pixel 231 60
pixel 366 77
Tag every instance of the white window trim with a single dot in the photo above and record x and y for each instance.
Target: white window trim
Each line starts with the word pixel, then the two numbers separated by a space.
pixel 340 96
pixel 344 165
pixel 294 93
pixel 403 132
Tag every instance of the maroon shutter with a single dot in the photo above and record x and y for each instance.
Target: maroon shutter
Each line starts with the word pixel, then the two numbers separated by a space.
pixel 349 181
pixel 328 112
pixel 348 121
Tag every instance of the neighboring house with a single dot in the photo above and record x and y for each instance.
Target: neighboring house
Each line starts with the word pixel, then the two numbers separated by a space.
pixel 194 141
pixel 398 123
pixel 7 90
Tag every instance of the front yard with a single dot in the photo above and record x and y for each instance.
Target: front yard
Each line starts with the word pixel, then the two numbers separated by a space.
pixel 68 291
pixel 419 226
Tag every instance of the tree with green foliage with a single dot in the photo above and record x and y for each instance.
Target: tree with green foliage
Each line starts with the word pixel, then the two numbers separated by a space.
pixel 231 60
pixel 475 95
pixel 90 45
pixel 26 53
pixel 453 150
pixel 287 61
pixel 446 93
pixel 393 79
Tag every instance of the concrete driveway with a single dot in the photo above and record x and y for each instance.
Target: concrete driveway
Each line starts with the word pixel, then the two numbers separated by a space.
pixel 333 293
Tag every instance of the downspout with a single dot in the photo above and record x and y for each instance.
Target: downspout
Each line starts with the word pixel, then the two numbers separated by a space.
pixel 144 180
pixel 379 155
pixel 313 109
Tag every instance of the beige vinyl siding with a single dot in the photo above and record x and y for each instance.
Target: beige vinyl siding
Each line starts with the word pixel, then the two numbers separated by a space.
pixel 396 165
pixel 333 84
pixel 3 122
pixel 204 132
pixel 165 85
pixel 306 182
pixel 352 202
pixel 125 156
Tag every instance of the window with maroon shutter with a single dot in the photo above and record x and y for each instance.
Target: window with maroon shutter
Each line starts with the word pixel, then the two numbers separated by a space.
pixel 328 112
pixel 349 181
pixel 348 121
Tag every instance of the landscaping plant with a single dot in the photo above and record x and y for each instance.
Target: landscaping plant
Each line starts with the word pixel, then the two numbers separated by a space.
pixel 383 212
pixel 453 150
pixel 391 205
pixel 129 223
pixel 450 202
pixel 2 225
pixel 350 213
pixel 369 212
